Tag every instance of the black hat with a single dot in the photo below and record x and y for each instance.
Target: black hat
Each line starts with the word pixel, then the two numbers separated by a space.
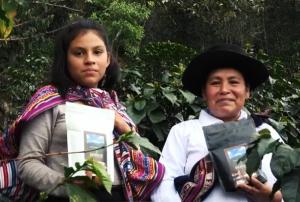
pixel 225 55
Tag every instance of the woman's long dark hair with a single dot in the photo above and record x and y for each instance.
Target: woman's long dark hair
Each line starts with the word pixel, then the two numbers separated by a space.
pixel 60 76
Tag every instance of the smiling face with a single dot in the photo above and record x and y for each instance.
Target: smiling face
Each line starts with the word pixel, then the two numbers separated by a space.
pixel 87 59
pixel 225 93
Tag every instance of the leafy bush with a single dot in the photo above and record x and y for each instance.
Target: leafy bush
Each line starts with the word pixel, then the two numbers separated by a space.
pixel 124 22
pixel 19 82
pixel 153 91
pixel 280 96
pixel 285 164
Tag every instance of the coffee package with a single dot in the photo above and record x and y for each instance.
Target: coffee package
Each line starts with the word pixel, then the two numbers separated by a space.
pixel 227 143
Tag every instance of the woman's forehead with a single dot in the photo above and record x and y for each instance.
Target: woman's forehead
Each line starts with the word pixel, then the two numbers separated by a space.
pixel 225 72
pixel 89 38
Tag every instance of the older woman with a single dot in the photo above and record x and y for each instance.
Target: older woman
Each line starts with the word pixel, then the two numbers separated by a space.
pixel 223 76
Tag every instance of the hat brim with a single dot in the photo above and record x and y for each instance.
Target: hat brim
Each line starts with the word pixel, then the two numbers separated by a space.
pixel 195 75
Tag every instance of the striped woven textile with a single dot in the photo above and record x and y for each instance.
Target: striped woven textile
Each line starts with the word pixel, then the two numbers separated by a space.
pixel 141 173
pixel 197 185
pixel 11 187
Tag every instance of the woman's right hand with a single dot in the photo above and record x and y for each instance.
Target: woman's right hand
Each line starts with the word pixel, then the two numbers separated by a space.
pixel 260 192
pixel 120 125
pixel 89 174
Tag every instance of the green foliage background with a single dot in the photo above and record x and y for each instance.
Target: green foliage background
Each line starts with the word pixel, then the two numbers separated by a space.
pixel 154 41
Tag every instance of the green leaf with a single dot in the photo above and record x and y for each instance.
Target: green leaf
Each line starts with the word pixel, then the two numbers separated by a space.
pixel 125 137
pixel 264 133
pixel 144 143
pixel 137 73
pixel 78 166
pixel 290 186
pixel 8 5
pixel 179 116
pixel 151 106
pixel 6 28
pixel 278 125
pixel 68 171
pixel 135 88
pixel 284 160
pixel 266 146
pixel 297 151
pixel 253 162
pixel 195 107
pixel 78 194
pixel 140 105
pixel 171 97
pixel 165 77
pixel 42 197
pixel 189 97
pixel 4 17
pixel 100 170
pixel 137 116
pixel 137 141
pixel 148 92
pixel 262 145
pixel 150 152
pixel 156 116
pixel 158 132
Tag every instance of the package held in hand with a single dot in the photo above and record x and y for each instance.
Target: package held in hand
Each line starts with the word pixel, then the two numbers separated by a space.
pixel 89 128
pixel 227 143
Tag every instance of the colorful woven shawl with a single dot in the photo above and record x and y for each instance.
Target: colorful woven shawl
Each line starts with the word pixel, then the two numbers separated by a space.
pixel 196 185
pixel 141 173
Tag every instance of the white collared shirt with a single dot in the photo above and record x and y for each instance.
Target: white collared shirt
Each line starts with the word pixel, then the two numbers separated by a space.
pixel 184 147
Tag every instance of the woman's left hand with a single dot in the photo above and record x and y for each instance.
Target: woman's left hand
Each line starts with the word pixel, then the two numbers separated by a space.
pixel 259 192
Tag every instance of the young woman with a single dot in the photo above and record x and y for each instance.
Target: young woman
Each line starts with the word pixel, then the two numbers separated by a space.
pixel 83 71
pixel 223 76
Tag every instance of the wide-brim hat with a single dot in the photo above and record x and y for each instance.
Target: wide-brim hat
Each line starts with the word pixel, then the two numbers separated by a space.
pixel 219 56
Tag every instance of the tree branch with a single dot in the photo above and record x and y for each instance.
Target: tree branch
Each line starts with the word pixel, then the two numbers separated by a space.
pixel 34 36
pixel 60 6
pixel 54 154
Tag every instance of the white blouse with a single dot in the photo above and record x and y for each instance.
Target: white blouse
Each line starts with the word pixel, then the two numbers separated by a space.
pixel 185 146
